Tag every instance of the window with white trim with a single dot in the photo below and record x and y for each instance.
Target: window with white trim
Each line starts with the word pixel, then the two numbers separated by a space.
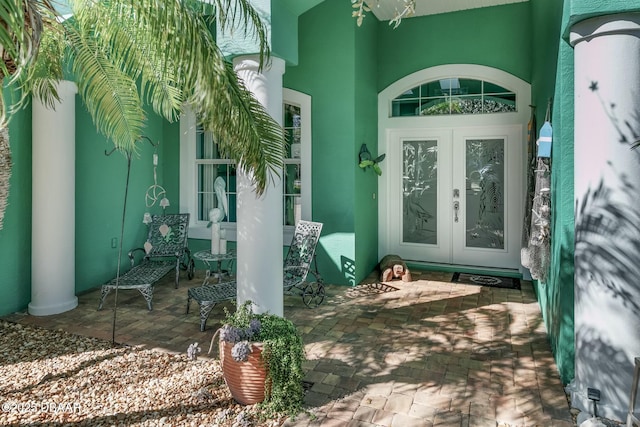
pixel 453 96
pixel 201 163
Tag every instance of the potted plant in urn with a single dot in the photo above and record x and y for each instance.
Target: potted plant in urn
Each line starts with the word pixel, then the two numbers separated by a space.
pixel 261 357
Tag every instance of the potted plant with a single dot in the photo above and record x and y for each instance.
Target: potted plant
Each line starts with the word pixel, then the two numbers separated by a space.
pixel 262 356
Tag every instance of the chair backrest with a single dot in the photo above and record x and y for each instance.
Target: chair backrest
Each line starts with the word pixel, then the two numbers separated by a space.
pixel 167 235
pixel 302 248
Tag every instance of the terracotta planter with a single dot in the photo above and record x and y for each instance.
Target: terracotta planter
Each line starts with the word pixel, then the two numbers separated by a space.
pixel 246 380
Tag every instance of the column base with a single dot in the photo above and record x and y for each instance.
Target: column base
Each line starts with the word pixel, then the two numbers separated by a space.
pixel 47 310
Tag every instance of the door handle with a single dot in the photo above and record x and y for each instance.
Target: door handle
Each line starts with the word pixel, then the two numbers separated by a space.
pixel 456 208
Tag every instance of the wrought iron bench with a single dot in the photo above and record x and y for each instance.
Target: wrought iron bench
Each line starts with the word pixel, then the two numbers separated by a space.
pixel 164 251
pixel 297 266
pixel 207 296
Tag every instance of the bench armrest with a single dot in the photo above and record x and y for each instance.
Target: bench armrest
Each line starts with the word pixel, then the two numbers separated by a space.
pixel 131 255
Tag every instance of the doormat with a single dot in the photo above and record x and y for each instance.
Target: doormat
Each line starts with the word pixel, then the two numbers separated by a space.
pixel 484 280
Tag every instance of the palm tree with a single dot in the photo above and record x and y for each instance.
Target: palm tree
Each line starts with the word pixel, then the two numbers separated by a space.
pixel 21 26
pixel 124 54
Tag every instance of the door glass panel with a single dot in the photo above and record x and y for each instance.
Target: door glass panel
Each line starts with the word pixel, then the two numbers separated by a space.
pixel 419 192
pixel 485 193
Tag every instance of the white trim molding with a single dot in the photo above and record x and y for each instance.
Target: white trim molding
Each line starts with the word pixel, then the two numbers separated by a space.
pixel 388 125
pixel 188 171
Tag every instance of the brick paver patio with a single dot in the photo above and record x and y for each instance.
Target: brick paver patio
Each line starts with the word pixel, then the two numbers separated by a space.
pixel 424 353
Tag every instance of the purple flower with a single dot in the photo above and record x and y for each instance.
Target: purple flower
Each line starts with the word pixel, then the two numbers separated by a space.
pixel 240 351
pixel 254 327
pixel 230 334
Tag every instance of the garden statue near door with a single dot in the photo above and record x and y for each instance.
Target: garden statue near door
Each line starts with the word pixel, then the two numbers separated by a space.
pixel 393 267
pixel 216 215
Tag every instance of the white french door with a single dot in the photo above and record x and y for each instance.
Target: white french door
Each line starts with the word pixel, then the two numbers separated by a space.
pixel 455 195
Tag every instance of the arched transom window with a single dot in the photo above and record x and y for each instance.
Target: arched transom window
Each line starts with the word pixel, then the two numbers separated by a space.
pixel 454 96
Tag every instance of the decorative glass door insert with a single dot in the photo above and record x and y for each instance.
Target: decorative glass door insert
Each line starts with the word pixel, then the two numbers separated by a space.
pixel 420 192
pixel 485 193
pixel 455 195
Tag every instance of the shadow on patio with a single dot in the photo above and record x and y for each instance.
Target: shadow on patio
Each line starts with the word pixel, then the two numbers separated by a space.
pixel 424 353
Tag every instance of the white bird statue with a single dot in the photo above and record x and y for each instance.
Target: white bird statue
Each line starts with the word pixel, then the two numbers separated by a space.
pixel 218 213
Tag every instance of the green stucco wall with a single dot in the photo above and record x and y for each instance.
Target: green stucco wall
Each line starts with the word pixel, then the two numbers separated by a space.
pixel 170 161
pixel 553 77
pixel 15 236
pixel 326 71
pixel 343 69
pixel 284 33
pixel 100 190
pixel 498 37
pixel 366 132
pixel 552 80
pixel 100 186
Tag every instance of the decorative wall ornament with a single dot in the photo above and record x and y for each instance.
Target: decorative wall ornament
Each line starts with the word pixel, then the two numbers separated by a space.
pixel 361 7
pixel 366 160
pixel 155 192
pixel 536 252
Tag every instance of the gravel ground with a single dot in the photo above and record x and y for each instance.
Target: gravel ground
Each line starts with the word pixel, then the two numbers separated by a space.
pixel 52 378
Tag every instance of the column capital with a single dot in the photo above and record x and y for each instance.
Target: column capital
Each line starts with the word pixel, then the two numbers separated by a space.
pixel 604 25
pixel 67 86
pixel 273 65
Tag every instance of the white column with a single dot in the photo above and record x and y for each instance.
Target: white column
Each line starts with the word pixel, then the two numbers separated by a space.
pixel 53 205
pixel 259 219
pixel 607 190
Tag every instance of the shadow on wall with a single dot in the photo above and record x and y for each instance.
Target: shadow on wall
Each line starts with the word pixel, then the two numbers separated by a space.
pixel 607 296
pixel 612 376
pixel 608 244
pixel 608 222
pixel 607 268
pixel 348 267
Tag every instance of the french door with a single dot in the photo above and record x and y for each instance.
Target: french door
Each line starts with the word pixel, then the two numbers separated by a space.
pixel 455 195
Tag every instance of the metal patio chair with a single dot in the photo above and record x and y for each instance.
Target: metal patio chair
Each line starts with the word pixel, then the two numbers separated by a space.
pixel 165 250
pixel 297 266
pixel 300 261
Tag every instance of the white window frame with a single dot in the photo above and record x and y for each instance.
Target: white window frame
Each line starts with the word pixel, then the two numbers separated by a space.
pixel 189 171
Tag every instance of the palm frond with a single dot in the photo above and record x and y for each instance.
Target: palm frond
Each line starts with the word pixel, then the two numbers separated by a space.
pixel 138 50
pixel 40 80
pixel 13 23
pixel 239 15
pixel 110 95
pixel 244 131
pixel 162 52
pixel 22 23
pixel 169 47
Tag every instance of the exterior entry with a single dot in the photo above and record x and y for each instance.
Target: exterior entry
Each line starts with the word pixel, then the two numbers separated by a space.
pixel 452 188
